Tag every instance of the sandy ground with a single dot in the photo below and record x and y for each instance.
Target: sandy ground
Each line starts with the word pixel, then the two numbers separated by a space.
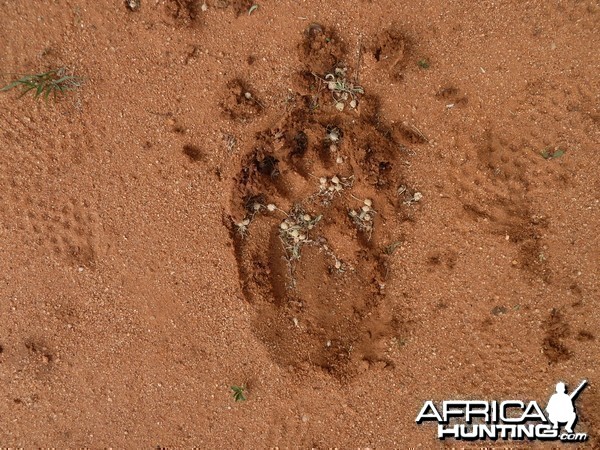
pixel 132 299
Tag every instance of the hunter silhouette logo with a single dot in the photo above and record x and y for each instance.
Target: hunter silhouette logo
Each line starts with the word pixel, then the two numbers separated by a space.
pixel 560 406
pixel 509 419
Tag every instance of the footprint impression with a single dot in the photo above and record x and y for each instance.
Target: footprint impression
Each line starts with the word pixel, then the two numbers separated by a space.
pixel 316 214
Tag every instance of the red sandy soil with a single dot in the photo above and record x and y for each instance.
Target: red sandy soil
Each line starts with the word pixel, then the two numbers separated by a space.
pixel 132 300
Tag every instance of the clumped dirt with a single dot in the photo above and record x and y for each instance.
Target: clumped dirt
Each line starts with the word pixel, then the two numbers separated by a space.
pixel 241 103
pixel 346 208
pixel 183 11
pixel 393 51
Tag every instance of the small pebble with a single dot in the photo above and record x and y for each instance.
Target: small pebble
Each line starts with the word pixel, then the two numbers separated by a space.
pixel 133 5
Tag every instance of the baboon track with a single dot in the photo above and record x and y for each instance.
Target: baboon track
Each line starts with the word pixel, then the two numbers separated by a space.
pixel 333 177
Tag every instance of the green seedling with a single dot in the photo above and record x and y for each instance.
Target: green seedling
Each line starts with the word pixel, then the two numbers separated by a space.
pixel 341 89
pixel 239 393
pixel 252 9
pixel 423 64
pixel 43 84
pixel 552 154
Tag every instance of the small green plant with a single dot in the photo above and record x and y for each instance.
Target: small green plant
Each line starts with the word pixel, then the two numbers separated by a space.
pixel 341 89
pixel 552 154
pixel 252 9
pixel 43 84
pixel 363 217
pixel 329 187
pixel 239 393
pixel 294 231
pixel 423 63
